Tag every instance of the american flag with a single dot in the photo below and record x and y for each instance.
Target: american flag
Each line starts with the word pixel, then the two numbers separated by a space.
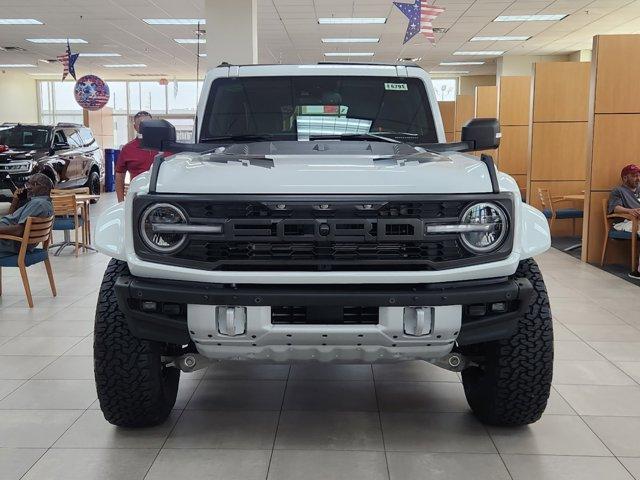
pixel 420 16
pixel 68 61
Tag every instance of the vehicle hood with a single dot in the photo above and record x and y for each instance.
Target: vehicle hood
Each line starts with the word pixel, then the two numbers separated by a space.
pixel 19 154
pixel 363 168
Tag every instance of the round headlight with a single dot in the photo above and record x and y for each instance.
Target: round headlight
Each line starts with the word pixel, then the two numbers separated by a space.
pixel 492 223
pixel 153 225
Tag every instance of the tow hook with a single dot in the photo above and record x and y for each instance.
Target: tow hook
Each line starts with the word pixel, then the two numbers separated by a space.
pixel 189 362
pixel 454 362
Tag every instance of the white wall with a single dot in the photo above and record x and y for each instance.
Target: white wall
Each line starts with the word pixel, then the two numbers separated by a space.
pixel 18 98
pixel 469 83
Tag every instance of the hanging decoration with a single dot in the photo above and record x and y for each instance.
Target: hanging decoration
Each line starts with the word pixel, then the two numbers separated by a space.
pixel 91 92
pixel 68 61
pixel 420 16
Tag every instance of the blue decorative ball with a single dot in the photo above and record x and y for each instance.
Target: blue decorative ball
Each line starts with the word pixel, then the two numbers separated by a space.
pixel 91 92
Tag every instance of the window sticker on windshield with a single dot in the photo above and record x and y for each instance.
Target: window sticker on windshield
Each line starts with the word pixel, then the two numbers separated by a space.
pixel 398 87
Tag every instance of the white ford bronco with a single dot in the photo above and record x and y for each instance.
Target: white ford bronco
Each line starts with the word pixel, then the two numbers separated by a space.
pixel 320 216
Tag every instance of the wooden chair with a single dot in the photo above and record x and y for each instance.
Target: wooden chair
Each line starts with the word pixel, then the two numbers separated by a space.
pixel 77 191
pixel 66 211
pixel 36 230
pixel 613 234
pixel 552 213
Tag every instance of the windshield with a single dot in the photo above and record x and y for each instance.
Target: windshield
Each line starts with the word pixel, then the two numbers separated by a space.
pixel 25 137
pixel 295 108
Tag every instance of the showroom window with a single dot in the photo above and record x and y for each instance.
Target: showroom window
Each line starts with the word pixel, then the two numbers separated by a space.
pixel 446 89
pixel 176 102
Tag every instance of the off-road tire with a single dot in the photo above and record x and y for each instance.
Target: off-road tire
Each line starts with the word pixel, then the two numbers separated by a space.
pixel 134 388
pixel 511 385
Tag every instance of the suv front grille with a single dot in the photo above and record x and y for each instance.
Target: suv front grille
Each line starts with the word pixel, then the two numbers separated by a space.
pixel 328 233
pixel 301 315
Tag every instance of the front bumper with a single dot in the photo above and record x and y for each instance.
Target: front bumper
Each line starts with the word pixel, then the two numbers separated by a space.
pixel 186 312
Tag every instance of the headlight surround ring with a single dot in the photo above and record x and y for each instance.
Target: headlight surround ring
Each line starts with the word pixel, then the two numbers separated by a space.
pixel 173 241
pixel 485 213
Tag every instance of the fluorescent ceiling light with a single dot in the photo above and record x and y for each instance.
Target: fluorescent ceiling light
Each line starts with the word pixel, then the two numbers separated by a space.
pixel 457 64
pixel 46 74
pixel 16 65
pixel 486 53
pixel 175 21
pixel 502 38
pixel 350 40
pixel 82 54
pixel 20 21
pixel 349 54
pixel 202 54
pixel 56 40
pixel 125 65
pixel 190 40
pixel 350 20
pixel 449 72
pixel 531 18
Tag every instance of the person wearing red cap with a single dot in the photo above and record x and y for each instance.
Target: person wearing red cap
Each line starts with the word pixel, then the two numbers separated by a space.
pixel 625 198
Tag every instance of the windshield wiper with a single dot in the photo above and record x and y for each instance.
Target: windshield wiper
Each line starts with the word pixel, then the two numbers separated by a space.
pixel 373 136
pixel 238 138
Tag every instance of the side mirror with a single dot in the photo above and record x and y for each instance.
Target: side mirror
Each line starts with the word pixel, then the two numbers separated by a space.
pixel 157 134
pixel 482 133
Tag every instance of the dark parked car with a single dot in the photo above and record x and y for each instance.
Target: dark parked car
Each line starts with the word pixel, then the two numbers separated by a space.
pixel 66 153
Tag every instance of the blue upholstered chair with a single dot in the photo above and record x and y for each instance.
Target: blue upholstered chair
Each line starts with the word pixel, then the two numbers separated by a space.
pixel 613 234
pixel 36 230
pixel 552 213
pixel 67 219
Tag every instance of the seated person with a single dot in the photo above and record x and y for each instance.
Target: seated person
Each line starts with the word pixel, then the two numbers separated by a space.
pixel 625 198
pixel 38 188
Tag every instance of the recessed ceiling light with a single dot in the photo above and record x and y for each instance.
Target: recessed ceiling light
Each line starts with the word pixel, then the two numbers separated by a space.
pixel 531 18
pixel 20 21
pixel 486 53
pixel 16 65
pixel 202 54
pixel 349 54
pixel 125 65
pixel 448 72
pixel 350 40
pixel 56 40
pixel 350 20
pixel 190 40
pixel 457 64
pixel 175 21
pixel 82 54
pixel 502 38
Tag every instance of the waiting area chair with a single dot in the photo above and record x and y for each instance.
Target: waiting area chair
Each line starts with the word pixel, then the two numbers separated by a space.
pixel 68 217
pixel 36 230
pixel 552 213
pixel 613 234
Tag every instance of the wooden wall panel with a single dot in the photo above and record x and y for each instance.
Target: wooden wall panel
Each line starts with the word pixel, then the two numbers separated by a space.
pixel 614 122
pixel 618 74
pixel 562 91
pixel 616 143
pixel 448 114
pixel 559 151
pixel 464 111
pixel 486 102
pixel 514 100
pixel 513 149
pixel 561 228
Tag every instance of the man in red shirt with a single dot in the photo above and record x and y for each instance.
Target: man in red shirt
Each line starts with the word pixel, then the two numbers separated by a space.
pixel 133 158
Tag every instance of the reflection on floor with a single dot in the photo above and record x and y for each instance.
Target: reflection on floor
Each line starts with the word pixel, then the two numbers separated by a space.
pixel 620 271
pixel 407 421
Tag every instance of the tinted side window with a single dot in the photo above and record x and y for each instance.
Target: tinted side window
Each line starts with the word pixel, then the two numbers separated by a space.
pixel 59 137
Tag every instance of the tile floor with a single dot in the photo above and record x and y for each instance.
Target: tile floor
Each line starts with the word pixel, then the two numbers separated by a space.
pixel 400 422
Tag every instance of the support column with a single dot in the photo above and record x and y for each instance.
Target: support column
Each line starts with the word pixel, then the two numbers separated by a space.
pixel 232 32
